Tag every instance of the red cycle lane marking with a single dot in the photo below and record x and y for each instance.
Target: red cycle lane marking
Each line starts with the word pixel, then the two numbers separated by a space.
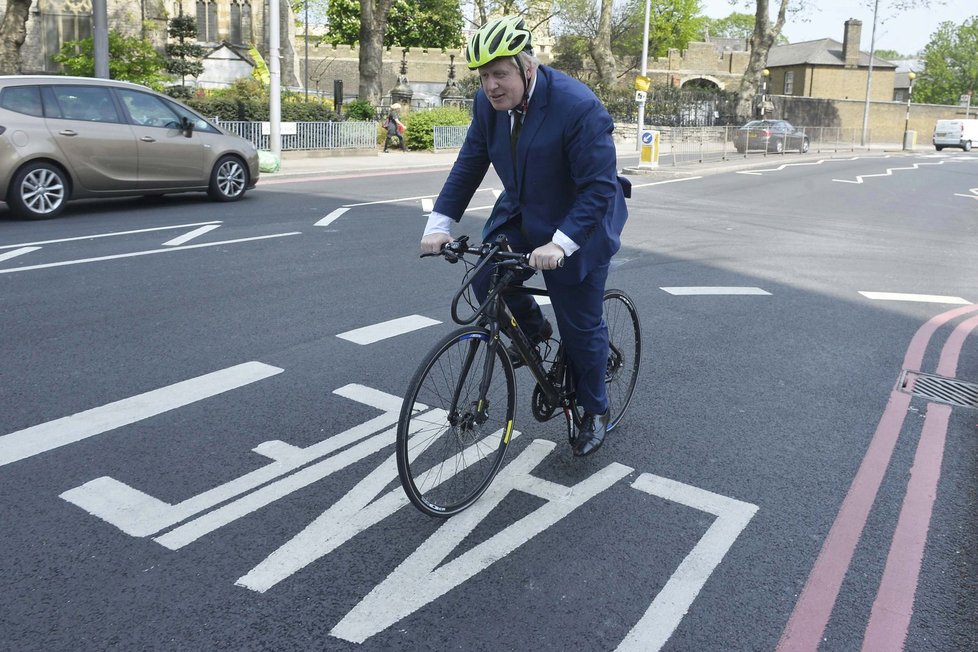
pixel 892 610
pixel 814 607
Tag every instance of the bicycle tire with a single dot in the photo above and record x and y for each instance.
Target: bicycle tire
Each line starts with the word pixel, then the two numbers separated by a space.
pixel 624 355
pixel 446 459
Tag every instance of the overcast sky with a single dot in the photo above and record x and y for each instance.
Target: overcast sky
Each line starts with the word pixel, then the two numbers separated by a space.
pixel 906 32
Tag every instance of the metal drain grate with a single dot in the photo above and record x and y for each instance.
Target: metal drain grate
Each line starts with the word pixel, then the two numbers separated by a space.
pixel 938 388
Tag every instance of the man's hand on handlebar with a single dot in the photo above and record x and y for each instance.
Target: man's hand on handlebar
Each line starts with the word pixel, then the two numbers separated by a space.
pixel 433 242
pixel 549 256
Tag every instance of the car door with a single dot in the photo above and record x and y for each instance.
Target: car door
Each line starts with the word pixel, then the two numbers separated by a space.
pixel 169 157
pixel 99 146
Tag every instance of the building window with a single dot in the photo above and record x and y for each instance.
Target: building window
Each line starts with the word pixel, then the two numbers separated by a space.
pixel 240 22
pixel 207 21
pixel 789 82
pixel 58 29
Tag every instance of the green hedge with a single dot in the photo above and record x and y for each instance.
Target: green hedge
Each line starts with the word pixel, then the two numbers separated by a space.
pixel 256 111
pixel 420 125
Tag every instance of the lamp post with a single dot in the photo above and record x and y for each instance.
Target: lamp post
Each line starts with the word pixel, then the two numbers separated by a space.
pixel 906 125
pixel 764 75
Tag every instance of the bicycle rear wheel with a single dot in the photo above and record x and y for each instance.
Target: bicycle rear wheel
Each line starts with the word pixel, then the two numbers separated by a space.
pixel 451 437
pixel 625 352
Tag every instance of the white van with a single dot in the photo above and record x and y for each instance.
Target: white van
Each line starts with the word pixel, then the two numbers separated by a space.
pixel 955 133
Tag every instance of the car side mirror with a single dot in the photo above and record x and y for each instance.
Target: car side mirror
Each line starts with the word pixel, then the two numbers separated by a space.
pixel 186 126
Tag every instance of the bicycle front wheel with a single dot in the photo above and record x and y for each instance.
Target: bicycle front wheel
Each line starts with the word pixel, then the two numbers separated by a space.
pixel 456 422
pixel 625 352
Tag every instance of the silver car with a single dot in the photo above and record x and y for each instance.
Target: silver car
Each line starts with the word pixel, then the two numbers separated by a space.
pixel 67 138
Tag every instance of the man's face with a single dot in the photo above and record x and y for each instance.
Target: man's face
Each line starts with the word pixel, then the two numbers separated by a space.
pixel 502 83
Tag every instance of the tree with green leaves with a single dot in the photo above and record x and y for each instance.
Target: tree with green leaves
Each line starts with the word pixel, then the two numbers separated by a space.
pixel 373 26
pixel 950 64
pixel 131 58
pixel 672 24
pixel 183 58
pixel 410 23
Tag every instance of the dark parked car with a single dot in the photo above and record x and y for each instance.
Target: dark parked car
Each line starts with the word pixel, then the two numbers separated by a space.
pixel 770 136
pixel 63 138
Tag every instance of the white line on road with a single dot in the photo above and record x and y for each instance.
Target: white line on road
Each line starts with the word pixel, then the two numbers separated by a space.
pixel 109 235
pixel 922 298
pixel 712 290
pixel 68 430
pixel 889 172
pixel 187 237
pixel 329 219
pixel 387 329
pixel 145 253
pixel 973 195
pixel 787 165
pixel 427 205
pixel 659 183
pixel 17 252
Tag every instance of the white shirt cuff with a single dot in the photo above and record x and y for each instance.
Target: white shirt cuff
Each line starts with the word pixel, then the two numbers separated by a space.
pixel 438 223
pixel 565 243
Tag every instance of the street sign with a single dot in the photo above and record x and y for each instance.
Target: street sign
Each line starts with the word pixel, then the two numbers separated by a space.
pixel 965 100
pixel 642 83
pixel 640 96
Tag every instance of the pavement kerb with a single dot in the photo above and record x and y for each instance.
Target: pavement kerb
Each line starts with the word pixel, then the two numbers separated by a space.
pixel 397 161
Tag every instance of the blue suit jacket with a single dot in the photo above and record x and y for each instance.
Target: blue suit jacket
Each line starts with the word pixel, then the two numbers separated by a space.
pixel 565 177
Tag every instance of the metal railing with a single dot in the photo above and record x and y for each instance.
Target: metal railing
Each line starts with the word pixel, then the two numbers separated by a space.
pixel 449 137
pixel 309 135
pixel 679 145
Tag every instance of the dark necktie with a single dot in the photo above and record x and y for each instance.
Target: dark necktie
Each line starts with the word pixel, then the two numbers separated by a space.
pixel 514 134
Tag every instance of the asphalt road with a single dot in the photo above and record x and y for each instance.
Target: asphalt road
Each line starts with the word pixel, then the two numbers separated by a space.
pixel 196 433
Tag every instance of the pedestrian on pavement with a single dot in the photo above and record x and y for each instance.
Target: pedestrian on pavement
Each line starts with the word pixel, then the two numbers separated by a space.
pixel 550 141
pixel 395 128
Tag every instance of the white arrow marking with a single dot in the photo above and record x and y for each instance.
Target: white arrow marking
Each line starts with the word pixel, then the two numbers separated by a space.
pixel 187 237
pixel 329 219
pixel 17 252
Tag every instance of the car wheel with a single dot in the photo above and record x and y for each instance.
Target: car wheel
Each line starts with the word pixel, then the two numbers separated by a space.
pixel 804 146
pixel 779 147
pixel 938 147
pixel 229 179
pixel 38 191
pixel 967 146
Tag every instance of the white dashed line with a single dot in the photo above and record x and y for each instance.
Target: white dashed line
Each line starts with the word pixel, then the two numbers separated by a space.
pixel 387 329
pixel 711 290
pixel 921 298
pixel 329 219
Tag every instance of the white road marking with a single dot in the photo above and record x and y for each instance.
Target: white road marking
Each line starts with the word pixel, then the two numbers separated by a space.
pixel 659 183
pixel 427 205
pixel 973 195
pixel 665 613
pixel 109 235
pixel 17 252
pixel 187 237
pixel 387 329
pixel 329 219
pixel 388 201
pixel 542 300
pixel 68 430
pixel 149 252
pixel 788 165
pixel 922 298
pixel 712 290
pixel 139 514
pixel 889 172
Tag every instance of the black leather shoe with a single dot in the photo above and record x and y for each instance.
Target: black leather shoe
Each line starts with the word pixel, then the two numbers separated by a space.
pixel 545 332
pixel 594 428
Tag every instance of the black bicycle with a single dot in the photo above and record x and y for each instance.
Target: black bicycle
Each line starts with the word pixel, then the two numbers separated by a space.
pixel 457 418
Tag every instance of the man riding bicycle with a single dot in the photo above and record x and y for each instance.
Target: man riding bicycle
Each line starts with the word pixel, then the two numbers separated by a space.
pixel 549 139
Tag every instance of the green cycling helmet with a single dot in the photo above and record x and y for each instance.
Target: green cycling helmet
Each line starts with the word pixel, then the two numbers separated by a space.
pixel 503 37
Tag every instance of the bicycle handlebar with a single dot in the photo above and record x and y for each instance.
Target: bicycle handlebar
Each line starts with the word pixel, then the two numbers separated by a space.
pixel 488 253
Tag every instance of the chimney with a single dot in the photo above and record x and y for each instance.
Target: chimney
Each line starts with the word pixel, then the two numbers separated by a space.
pixel 850 42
